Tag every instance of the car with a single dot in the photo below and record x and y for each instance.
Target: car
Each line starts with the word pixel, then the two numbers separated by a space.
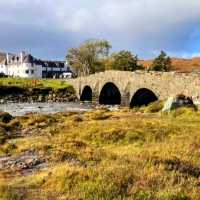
pixel 2 75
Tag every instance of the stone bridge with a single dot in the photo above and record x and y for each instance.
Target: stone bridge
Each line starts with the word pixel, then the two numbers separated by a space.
pixel 135 88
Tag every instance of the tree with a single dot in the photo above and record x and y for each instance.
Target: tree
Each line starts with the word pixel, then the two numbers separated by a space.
pixel 162 63
pixel 87 58
pixel 123 60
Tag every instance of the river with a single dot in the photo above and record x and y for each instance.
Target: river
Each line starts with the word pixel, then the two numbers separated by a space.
pixel 19 109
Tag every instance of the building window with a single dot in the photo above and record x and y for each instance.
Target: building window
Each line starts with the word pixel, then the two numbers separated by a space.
pixel 32 71
pixel 27 71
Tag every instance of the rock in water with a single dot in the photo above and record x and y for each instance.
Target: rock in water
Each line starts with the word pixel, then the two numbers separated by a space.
pixel 177 102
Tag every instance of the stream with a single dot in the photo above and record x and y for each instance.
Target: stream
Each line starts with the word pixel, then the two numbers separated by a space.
pixel 19 109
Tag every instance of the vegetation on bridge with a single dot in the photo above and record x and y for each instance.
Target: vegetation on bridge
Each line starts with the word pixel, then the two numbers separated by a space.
pixel 105 155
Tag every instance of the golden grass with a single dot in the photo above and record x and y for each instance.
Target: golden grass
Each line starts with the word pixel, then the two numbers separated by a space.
pixel 108 155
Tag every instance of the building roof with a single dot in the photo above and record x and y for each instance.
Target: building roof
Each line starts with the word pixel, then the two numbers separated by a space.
pixel 28 58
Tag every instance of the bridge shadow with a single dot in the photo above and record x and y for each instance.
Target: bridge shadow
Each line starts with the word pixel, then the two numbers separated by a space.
pixel 143 97
pixel 86 94
pixel 110 95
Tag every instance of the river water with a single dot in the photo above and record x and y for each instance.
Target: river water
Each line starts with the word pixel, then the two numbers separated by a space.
pixel 19 109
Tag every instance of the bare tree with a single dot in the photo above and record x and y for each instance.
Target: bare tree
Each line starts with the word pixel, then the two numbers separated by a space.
pixel 86 57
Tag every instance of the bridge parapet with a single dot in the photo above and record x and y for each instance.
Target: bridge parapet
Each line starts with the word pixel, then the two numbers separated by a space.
pixel 162 84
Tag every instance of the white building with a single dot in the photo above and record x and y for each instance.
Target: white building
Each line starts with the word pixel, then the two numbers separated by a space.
pixel 26 66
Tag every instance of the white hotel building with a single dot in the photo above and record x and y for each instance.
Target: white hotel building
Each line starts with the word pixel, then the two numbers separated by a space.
pixel 26 66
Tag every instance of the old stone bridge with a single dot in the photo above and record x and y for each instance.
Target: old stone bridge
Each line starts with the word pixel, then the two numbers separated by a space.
pixel 135 88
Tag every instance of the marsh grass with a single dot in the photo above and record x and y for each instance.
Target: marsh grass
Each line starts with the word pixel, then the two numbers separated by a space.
pixel 30 83
pixel 3 135
pixel 154 107
pixel 108 155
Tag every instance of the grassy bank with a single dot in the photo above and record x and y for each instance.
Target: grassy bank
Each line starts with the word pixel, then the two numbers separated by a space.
pixel 32 83
pixel 40 90
pixel 105 155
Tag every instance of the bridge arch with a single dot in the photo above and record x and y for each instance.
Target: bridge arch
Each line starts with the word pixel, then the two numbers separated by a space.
pixel 110 94
pixel 86 94
pixel 143 97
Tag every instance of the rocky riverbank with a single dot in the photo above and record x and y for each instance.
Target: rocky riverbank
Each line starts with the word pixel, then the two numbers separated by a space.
pixel 39 94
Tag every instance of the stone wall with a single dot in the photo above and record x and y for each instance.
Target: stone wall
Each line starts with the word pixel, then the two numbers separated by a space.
pixel 163 84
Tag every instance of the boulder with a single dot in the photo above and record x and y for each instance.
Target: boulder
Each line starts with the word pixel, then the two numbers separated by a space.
pixel 5 117
pixel 177 102
pixel 21 162
pixel 2 101
pixel 40 98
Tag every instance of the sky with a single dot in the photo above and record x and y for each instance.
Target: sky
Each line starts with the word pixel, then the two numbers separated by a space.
pixel 48 28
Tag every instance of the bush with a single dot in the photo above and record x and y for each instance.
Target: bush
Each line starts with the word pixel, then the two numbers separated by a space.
pixel 154 107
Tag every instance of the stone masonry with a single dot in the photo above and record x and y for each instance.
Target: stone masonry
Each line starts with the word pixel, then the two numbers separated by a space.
pixel 162 84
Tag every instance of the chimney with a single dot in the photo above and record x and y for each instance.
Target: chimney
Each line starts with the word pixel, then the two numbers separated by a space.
pixel 21 56
pixel 7 57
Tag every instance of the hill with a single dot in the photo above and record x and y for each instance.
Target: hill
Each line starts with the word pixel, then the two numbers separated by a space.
pixel 179 64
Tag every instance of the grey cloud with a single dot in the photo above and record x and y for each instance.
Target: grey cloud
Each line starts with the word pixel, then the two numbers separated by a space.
pixel 143 26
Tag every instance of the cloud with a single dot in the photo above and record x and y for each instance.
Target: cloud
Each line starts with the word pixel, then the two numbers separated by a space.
pixel 142 26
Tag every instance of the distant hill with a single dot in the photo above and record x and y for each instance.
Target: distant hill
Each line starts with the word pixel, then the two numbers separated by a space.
pixel 2 56
pixel 179 64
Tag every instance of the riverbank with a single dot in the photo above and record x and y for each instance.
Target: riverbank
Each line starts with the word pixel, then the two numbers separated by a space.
pixel 28 90
pixel 20 109
pixel 124 154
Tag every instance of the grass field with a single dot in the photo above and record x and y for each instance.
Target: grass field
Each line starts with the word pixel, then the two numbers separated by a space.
pixel 105 155
pixel 30 83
